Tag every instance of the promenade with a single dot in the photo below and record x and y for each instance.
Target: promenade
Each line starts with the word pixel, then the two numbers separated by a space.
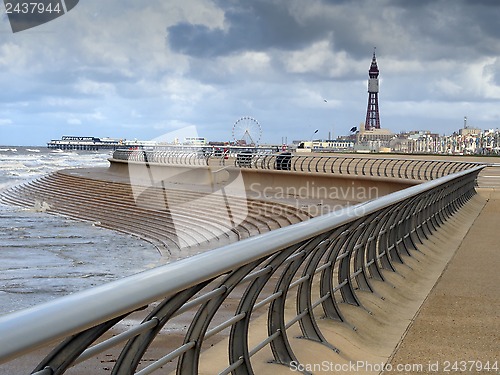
pixel 458 326
pixel 440 308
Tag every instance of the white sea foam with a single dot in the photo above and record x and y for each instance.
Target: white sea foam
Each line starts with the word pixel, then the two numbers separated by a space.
pixel 44 256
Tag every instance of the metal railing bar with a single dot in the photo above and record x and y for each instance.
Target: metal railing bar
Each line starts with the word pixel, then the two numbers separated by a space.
pixel 234 366
pixel 322 267
pixel 298 281
pixel 199 300
pixel 115 340
pixel 321 300
pixel 338 287
pixel 224 325
pixel 262 344
pixel 267 300
pixel 256 274
pixel 369 263
pixel 297 318
pixel 342 256
pixel 165 359
pixel 293 257
pixel 356 273
pixel 358 246
pixel 382 254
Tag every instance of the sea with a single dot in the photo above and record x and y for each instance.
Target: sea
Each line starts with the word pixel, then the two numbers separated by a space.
pixel 45 256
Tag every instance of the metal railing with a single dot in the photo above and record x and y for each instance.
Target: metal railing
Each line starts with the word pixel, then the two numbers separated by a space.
pixel 163 157
pixel 415 169
pixel 342 252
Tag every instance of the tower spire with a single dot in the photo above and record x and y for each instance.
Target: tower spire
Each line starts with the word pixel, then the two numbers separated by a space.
pixel 372 114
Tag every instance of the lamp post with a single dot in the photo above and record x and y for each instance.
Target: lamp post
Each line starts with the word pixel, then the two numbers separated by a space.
pixel 314 133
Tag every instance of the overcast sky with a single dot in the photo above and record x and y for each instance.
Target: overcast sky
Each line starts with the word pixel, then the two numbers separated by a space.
pixel 139 69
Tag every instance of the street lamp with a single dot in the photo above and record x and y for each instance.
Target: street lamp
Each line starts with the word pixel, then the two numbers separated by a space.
pixel 314 133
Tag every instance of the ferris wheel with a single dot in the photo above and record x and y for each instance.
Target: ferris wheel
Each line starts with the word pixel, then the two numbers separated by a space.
pixel 247 131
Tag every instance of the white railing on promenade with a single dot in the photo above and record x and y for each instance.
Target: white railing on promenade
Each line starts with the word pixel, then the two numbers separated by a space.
pixel 372 166
pixel 345 249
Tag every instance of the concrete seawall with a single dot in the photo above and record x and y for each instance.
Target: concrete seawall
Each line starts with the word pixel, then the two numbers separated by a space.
pixel 257 180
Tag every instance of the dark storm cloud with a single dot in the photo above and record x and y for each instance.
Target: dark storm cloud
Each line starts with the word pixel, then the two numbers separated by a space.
pixel 256 25
pixel 432 29
pixel 442 26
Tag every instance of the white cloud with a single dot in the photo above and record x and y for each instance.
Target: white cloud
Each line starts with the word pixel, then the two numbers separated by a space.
pixel 12 57
pixel 186 92
pixel 320 59
pixel 447 87
pixel 244 63
pixel 74 121
pixel 89 87
pixel 5 121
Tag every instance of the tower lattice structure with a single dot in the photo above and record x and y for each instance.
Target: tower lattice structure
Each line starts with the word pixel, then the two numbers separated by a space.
pixel 372 114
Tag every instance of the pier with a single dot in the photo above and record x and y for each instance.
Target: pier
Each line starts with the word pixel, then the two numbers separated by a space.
pixel 270 281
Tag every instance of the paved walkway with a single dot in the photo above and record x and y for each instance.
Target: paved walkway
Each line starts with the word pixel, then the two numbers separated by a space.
pixel 457 329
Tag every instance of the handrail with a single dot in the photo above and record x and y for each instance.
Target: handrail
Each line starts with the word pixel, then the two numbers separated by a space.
pixel 416 169
pixel 162 157
pixel 371 236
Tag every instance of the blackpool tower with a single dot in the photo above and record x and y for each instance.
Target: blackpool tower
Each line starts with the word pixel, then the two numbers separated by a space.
pixel 372 115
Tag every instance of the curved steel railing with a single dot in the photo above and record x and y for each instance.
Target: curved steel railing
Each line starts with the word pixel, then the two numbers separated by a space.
pixel 416 169
pixel 163 157
pixel 345 249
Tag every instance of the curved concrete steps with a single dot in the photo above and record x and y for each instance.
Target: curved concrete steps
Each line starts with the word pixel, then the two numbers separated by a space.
pixel 173 220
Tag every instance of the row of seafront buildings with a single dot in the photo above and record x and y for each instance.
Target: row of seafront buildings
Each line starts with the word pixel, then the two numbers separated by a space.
pixel 466 141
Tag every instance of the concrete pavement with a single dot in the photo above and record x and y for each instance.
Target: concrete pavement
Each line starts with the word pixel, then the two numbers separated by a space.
pixel 457 329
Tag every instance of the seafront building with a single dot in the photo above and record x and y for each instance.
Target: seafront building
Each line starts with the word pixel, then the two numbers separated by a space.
pixel 463 142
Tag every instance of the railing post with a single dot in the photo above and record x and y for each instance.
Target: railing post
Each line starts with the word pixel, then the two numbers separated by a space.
pixel 361 254
pixel 373 245
pixel 188 361
pixel 308 323
pixel 330 306
pixel 62 357
pixel 238 337
pixel 393 233
pixel 135 348
pixel 280 346
pixel 383 243
pixel 344 267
